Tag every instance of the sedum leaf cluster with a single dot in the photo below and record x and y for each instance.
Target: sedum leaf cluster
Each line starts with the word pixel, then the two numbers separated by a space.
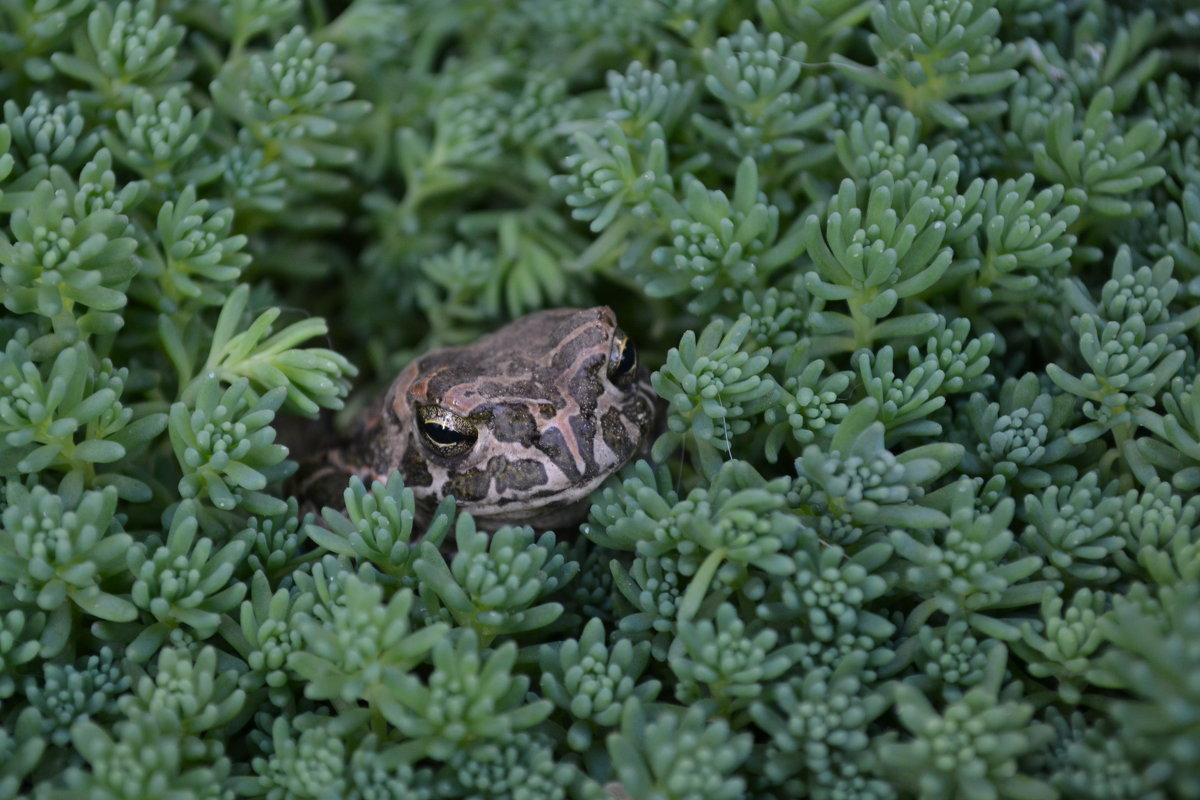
pixel 918 282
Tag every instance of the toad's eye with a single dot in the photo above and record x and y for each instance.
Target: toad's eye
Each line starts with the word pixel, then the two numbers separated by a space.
pixel 622 359
pixel 444 432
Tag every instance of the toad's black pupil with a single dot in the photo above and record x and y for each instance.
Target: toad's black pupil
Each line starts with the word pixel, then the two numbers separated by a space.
pixel 628 359
pixel 443 435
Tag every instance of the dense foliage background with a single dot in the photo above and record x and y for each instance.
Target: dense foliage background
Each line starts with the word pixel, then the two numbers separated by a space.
pixel 921 279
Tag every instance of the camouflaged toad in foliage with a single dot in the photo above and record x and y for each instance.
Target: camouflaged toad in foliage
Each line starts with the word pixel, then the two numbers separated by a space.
pixel 916 282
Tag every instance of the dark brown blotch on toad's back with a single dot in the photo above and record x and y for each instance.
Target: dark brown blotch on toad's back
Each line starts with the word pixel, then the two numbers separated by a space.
pixel 612 428
pixel 586 386
pixel 553 444
pixel 584 431
pixel 413 467
pixel 501 474
pixel 512 422
pixel 516 474
pixel 469 485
